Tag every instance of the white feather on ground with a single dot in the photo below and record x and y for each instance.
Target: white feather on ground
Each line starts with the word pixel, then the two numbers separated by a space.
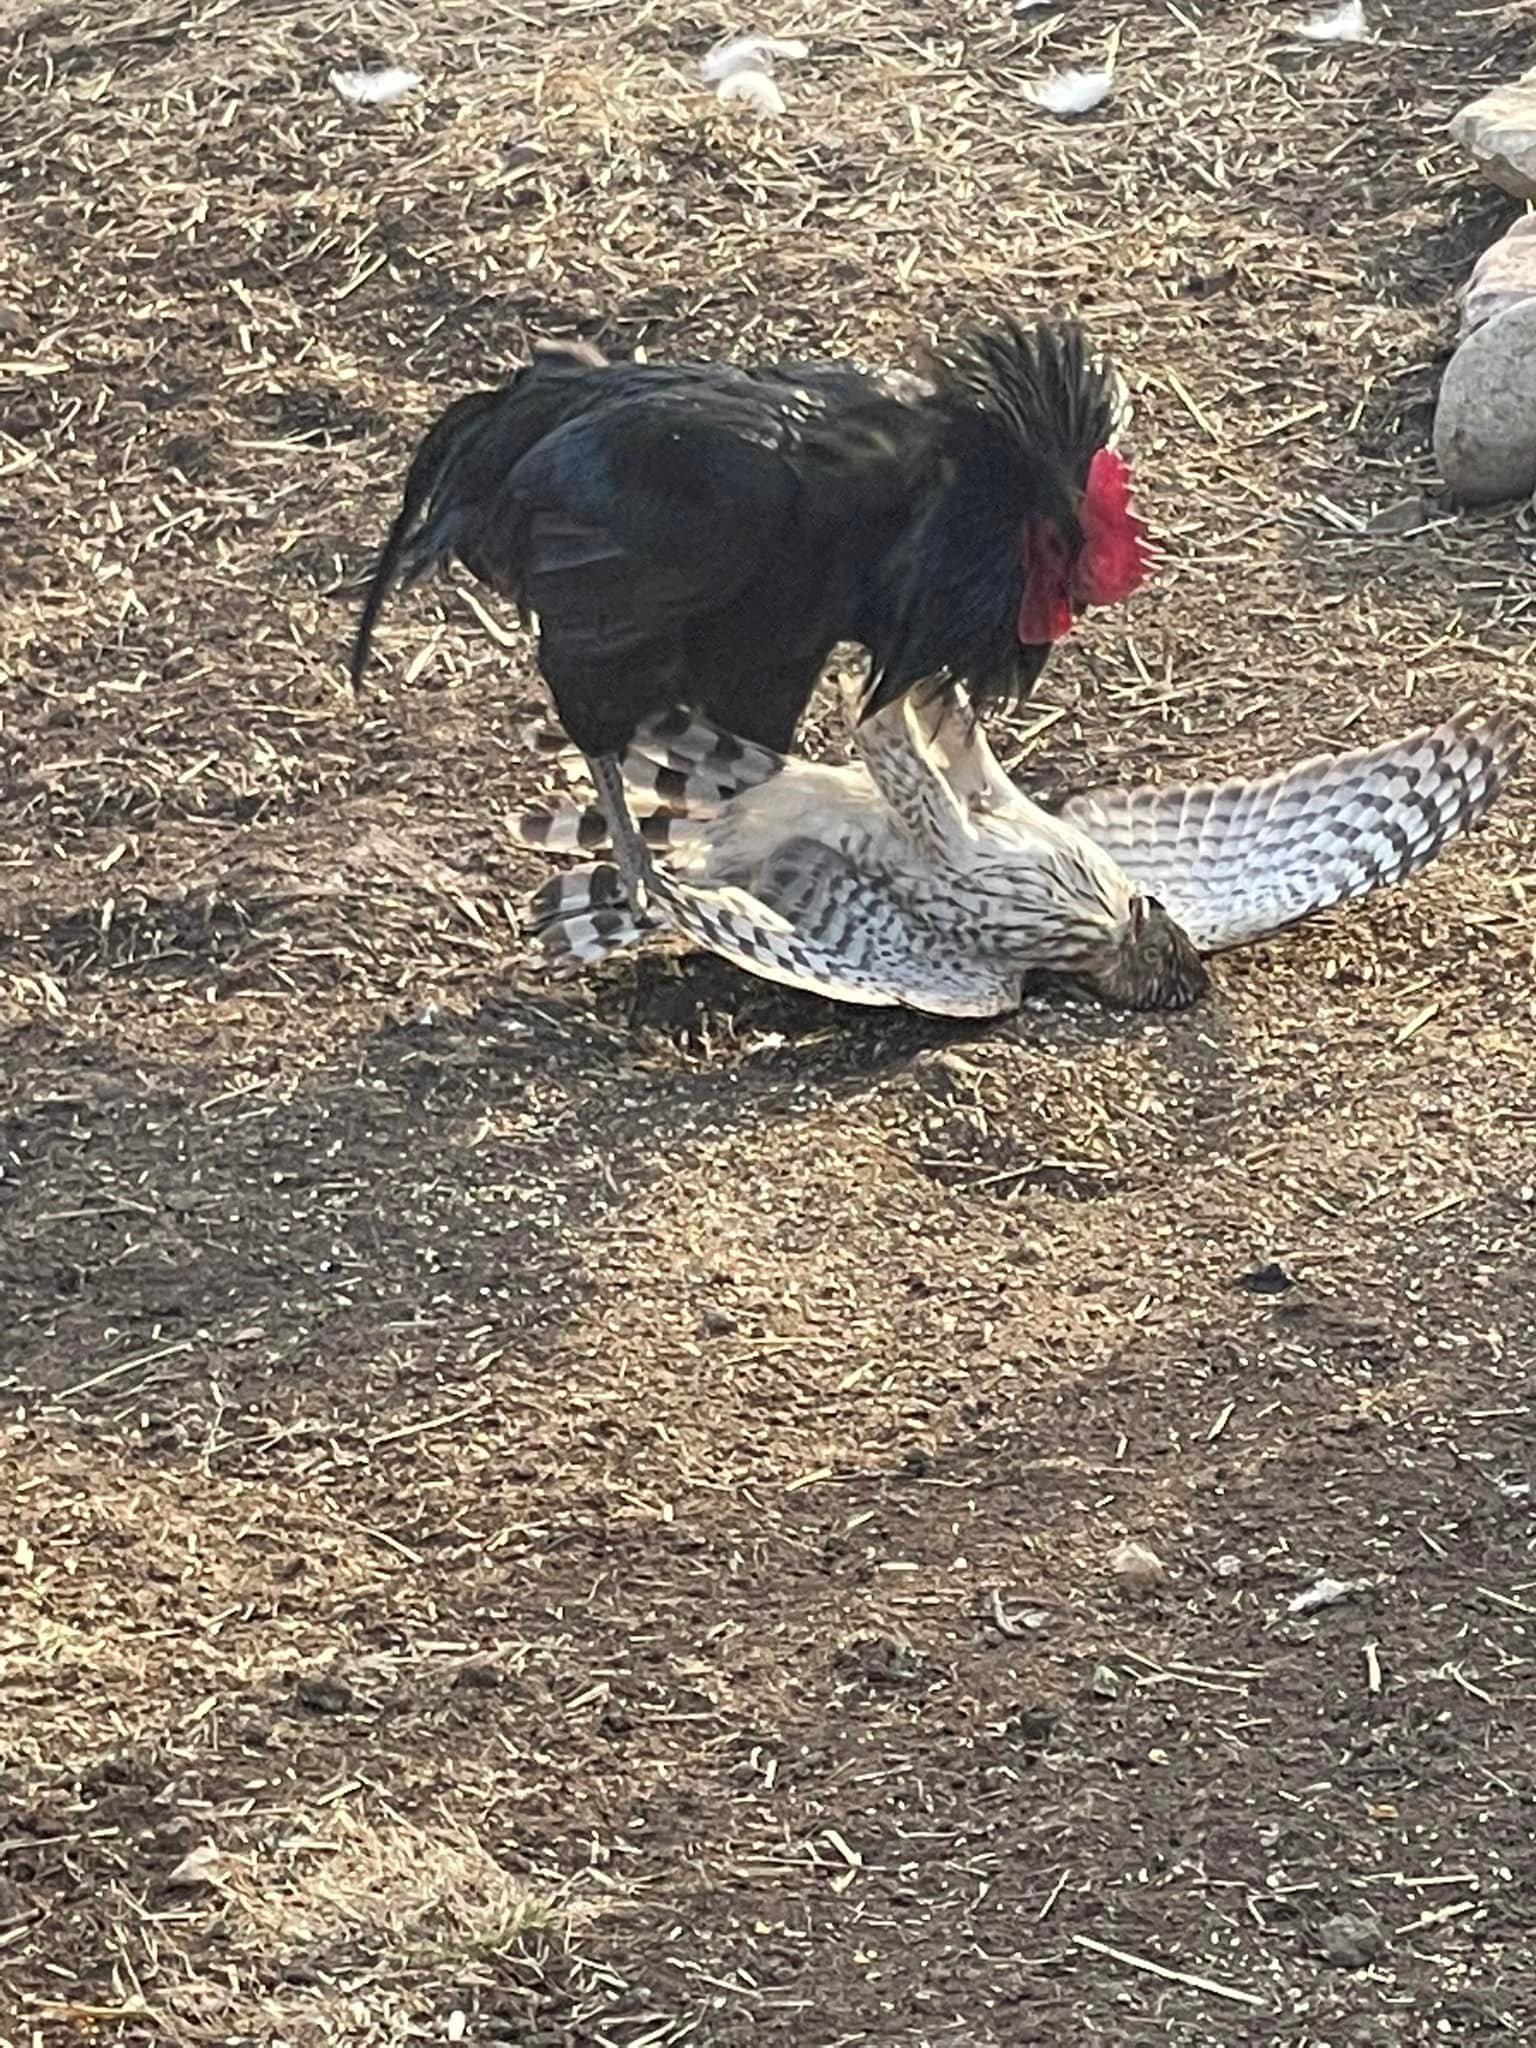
pixel 750 53
pixel 1345 25
pixel 375 88
pixel 1073 92
pixel 753 89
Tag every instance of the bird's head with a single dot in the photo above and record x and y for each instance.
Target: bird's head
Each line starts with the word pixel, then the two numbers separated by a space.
pixel 1152 966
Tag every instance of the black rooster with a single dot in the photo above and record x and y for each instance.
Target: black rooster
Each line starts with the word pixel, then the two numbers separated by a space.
pixel 701 535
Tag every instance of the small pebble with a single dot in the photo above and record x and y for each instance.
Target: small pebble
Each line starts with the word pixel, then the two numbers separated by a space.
pixel 1403 515
pixel 1350 1940
pixel 323 1695
pixel 947 1075
pixel 1271 1278
pixel 1325 1592
pixel 1138 1569
pixel 203 1865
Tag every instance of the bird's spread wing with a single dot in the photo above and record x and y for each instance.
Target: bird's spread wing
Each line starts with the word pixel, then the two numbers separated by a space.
pixel 895 746
pixel 868 931
pixel 954 738
pixel 850 946
pixel 583 915
pixel 1235 861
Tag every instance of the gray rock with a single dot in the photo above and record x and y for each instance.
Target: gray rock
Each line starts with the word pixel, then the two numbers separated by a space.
pixel 1350 1940
pixel 1502 276
pixel 1485 422
pixel 1403 515
pixel 1499 133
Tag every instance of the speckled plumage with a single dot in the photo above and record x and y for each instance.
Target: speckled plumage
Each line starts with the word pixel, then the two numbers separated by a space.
pixel 920 875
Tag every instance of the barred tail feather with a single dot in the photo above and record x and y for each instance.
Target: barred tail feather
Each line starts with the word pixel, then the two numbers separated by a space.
pixel 583 828
pixel 562 828
pixel 1235 861
pixel 597 886
pixel 712 765
pixel 711 758
pixel 548 740
pixel 675 767
pixel 582 916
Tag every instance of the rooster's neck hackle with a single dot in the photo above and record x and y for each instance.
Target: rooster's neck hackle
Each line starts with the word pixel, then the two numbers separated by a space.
pixel 1018 415
pixel 1045 398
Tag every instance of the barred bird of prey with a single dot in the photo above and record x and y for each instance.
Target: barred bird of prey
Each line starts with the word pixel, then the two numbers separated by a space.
pixel 920 875
pixel 703 535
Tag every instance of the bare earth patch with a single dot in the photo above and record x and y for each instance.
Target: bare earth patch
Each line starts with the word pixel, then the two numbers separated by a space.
pixel 586 1515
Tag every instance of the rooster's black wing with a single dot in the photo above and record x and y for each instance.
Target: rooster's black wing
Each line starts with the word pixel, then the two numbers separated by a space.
pixel 625 525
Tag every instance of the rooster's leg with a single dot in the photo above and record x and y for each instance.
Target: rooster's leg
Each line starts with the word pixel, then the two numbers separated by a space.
pixel 630 851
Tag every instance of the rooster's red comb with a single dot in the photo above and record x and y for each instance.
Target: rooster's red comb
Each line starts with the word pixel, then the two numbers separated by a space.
pixel 1116 546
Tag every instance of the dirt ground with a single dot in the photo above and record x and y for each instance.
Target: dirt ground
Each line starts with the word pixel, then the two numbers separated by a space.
pixel 584 1515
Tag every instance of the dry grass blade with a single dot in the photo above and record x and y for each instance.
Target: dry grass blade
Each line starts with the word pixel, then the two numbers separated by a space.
pixel 1233 1992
